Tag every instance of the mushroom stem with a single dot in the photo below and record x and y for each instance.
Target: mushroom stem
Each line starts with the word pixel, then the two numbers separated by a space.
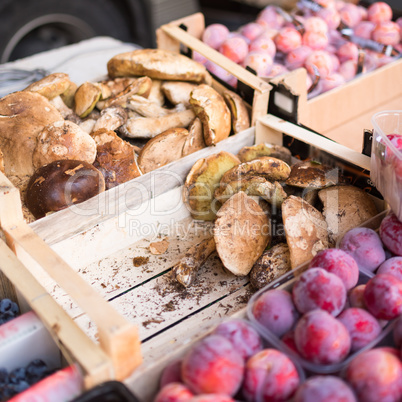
pixel 185 271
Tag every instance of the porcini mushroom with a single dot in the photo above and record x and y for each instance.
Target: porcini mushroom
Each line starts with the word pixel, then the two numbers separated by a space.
pixel 241 232
pixel 157 63
pixel 63 140
pixel 162 149
pixel 345 207
pixel 271 169
pixel 186 270
pixel 201 181
pixel 61 184
pixel 210 107
pixel 305 228
pixel 247 154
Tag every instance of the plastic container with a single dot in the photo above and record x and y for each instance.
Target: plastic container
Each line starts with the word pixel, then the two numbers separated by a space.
pixel 386 158
pixel 286 282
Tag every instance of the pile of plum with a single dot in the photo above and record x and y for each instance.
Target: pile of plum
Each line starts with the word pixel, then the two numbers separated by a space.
pixel 324 39
pixel 333 316
pixel 21 378
pixel 8 310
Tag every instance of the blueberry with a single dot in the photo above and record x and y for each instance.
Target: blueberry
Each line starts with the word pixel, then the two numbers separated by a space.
pixel 17 375
pixel 5 305
pixel 21 386
pixel 36 370
pixel 3 376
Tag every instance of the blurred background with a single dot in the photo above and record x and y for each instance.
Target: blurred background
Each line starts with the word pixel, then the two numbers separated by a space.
pixel 31 26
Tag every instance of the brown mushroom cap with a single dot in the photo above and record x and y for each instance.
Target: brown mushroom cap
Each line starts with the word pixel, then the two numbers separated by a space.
pixel 247 154
pixel 63 140
pixel 241 232
pixel 211 108
pixel 201 181
pixel 162 149
pixel 345 207
pixel 61 184
pixel 51 86
pixel 115 158
pixel 157 63
pixel 24 114
pixel 312 174
pixel 238 110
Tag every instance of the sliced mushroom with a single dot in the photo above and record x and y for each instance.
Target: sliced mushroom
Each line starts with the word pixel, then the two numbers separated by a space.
pixel 238 111
pixel 115 158
pixel 195 139
pixel 63 140
pixel 252 186
pixel 241 233
pixel 186 270
pixel 272 264
pixel 148 127
pixel 210 107
pixel 345 207
pixel 111 118
pixel 305 228
pixel 146 107
pixel 157 63
pixel 162 149
pixel 247 154
pixel 272 169
pixel 86 97
pixel 178 92
pixel 156 94
pixel 50 86
pixel 60 184
pixel 141 86
pixel 200 184
pixel 312 175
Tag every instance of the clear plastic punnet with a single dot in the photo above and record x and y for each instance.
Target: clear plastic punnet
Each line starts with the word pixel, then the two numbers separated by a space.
pixel 386 157
pixel 286 282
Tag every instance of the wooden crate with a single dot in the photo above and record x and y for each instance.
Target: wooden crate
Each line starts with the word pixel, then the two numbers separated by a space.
pixel 341 114
pixel 102 252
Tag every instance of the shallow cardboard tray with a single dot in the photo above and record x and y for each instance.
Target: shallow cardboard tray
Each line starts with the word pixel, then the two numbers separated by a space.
pixel 341 114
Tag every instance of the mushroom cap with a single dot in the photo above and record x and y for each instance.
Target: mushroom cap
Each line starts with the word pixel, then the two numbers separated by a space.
pixel 115 158
pixel 312 174
pixel 63 139
pixel 247 154
pixel 157 63
pixel 201 181
pixel 162 149
pixel 345 207
pixel 211 108
pixel 61 184
pixel 305 228
pixel 238 110
pixel 24 115
pixel 241 232
pixel 51 86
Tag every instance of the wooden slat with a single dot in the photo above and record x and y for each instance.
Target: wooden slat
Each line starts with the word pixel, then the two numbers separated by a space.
pixel 270 129
pixel 74 343
pixel 118 338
